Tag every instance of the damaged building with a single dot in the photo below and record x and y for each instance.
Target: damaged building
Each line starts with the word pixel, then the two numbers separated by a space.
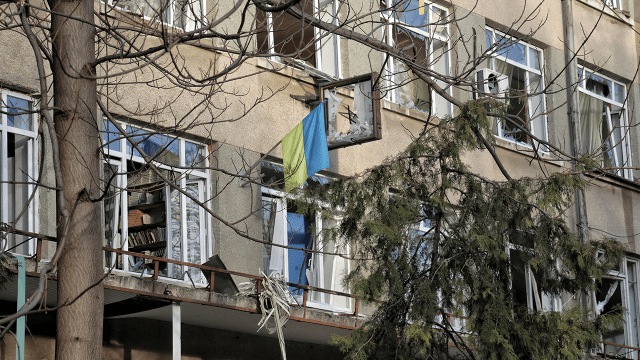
pixel 184 269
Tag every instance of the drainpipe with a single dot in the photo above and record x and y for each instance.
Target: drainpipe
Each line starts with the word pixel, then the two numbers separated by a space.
pixel 573 113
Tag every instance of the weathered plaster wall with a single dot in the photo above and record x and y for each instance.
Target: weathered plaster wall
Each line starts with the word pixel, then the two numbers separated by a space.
pixel 235 205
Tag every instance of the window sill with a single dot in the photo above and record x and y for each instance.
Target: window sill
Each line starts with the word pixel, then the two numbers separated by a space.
pixel 326 307
pixel 124 15
pixel 406 111
pixel 289 69
pixel 161 279
pixel 620 15
pixel 526 150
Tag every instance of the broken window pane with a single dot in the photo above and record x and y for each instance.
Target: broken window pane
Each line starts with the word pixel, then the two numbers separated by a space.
pixel 412 92
pixel 598 85
pixel 609 301
pixel 518 278
pixel 517 102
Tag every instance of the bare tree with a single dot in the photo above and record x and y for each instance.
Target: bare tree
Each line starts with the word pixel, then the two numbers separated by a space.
pixel 92 57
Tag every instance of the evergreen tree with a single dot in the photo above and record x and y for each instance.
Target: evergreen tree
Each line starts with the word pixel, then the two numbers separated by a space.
pixel 450 286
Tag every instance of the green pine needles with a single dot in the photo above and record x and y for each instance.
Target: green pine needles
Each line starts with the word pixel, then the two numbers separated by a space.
pixel 468 267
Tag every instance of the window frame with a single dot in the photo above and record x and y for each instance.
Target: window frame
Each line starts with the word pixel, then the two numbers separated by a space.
pixel 614 4
pixel 555 300
pixel 32 161
pixel 496 55
pixel 167 14
pixel 317 259
pixel 425 31
pixel 583 75
pixel 120 158
pixel 318 35
pixel 622 275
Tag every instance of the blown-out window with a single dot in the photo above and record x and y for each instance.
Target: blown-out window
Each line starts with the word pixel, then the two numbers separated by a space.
pixel 18 160
pixel 604 129
pixel 521 64
pixel 615 293
pixel 286 224
pixel 524 285
pixel 421 31
pixel 294 40
pixel 144 214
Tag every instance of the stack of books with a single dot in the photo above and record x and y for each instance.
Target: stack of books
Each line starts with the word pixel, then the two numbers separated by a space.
pixel 145 237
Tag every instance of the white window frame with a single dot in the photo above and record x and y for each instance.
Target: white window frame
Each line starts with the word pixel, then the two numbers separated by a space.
pixel 318 35
pixel 621 275
pixel 120 158
pixel 532 304
pixel 167 17
pixel 280 198
pixel 624 115
pixel 528 69
pixel 615 4
pixel 32 161
pixel 428 32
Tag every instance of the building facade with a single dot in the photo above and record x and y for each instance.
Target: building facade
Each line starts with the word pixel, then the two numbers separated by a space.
pixel 200 143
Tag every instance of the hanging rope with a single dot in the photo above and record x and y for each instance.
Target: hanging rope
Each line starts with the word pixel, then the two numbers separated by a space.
pixel 274 304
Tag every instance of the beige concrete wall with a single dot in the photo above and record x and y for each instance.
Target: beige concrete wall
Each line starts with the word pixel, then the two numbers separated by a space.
pixel 236 206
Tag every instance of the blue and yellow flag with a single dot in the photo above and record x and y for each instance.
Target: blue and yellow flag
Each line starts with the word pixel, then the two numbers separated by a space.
pixel 305 150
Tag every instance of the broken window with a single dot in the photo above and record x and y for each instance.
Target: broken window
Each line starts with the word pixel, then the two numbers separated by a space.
pixel 604 129
pixel 524 286
pixel 285 224
pixel 521 64
pixel 618 293
pixel 143 214
pixel 290 39
pixel 18 160
pixel 421 31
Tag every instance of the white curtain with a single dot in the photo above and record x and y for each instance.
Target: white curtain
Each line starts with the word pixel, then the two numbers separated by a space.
pixel 276 263
pixel 590 123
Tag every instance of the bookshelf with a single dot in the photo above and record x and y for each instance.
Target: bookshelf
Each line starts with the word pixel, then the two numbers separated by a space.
pixel 147 218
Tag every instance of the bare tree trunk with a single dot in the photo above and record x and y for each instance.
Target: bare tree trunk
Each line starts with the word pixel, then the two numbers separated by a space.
pixel 79 325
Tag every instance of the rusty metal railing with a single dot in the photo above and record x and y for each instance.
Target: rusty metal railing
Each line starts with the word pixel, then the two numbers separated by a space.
pixel 306 288
pixel 156 267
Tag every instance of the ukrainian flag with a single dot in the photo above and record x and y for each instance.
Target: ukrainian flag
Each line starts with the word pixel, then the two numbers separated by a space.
pixel 305 150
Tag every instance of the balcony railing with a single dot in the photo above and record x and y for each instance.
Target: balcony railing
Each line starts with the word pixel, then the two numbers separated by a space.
pixel 633 352
pixel 258 279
